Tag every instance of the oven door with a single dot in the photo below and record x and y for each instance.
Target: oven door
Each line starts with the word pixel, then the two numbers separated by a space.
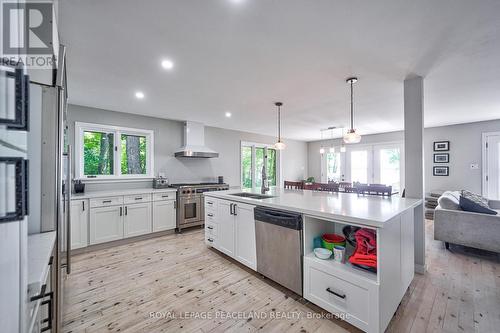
pixel 190 210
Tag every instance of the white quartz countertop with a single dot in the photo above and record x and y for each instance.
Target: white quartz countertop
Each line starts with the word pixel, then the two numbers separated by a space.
pixel 40 248
pixel 112 193
pixel 372 211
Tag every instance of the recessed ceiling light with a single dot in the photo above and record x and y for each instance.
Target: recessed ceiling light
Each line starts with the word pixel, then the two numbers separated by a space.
pixel 139 94
pixel 167 64
pixel 237 1
pixel 228 114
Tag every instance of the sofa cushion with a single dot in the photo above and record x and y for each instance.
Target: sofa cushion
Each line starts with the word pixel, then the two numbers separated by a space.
pixel 450 200
pixel 472 202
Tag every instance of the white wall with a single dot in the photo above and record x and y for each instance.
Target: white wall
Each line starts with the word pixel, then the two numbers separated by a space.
pixel 168 137
pixel 465 148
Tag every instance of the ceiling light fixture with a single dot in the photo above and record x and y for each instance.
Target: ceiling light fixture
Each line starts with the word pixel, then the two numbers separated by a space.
pixel 167 64
pixel 351 135
pixel 279 145
pixel 139 95
pixel 228 114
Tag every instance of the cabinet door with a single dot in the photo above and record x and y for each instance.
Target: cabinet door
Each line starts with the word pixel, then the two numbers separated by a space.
pixel 225 232
pixel 246 252
pixel 137 219
pixel 79 223
pixel 106 224
pixel 163 215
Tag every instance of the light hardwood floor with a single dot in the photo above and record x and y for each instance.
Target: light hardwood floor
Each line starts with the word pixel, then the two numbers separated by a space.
pixel 117 289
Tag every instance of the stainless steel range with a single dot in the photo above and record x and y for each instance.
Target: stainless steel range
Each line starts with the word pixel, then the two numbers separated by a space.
pixel 191 202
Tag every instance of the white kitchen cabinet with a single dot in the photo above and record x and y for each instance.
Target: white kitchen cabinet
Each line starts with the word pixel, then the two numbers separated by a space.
pixel 231 230
pixel 164 215
pixel 226 232
pixel 137 219
pixel 106 224
pixel 246 252
pixel 79 223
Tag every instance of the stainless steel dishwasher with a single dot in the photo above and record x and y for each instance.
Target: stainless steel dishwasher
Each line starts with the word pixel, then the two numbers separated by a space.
pixel 279 246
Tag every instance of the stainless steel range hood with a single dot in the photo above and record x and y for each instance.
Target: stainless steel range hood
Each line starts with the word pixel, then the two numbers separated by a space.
pixel 194 142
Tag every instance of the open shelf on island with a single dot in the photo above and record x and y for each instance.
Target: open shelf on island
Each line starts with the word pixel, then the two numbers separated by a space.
pixel 316 227
pixel 346 269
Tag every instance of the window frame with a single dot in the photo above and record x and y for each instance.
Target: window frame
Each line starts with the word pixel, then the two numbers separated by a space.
pixel 81 127
pixel 266 146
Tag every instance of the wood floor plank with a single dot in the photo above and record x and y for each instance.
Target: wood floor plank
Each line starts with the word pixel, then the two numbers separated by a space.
pixel 116 289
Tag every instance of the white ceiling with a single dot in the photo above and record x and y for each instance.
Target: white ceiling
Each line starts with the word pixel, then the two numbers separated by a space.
pixel 242 55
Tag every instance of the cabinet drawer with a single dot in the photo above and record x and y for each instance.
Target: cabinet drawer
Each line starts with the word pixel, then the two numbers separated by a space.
pixel 210 215
pixel 210 228
pixel 338 296
pixel 104 202
pixel 210 204
pixel 137 198
pixel 164 196
pixel 210 240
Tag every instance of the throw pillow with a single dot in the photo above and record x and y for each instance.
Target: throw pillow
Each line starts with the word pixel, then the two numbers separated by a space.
pixel 450 200
pixel 475 203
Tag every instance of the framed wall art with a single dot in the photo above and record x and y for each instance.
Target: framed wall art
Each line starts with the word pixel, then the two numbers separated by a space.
pixel 441 145
pixel 441 171
pixel 442 158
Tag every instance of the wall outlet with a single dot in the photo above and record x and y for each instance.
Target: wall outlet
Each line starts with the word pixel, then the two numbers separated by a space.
pixel 474 166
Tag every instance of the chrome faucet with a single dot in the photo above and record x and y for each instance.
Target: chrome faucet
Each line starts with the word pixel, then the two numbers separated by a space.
pixel 265 183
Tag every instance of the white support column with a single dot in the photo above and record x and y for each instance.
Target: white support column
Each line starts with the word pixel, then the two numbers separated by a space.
pixel 414 159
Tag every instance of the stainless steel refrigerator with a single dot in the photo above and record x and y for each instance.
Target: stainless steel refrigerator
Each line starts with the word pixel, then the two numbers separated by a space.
pixel 35 189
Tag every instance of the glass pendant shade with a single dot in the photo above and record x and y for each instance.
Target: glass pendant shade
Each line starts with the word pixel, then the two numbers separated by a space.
pixel 352 137
pixel 280 145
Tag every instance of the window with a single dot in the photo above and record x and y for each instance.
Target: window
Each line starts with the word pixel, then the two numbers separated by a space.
pixel 333 165
pixel 390 167
pixel 359 166
pixel 112 152
pixel 253 157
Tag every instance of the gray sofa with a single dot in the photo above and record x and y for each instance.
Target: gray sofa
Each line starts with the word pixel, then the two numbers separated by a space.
pixel 453 225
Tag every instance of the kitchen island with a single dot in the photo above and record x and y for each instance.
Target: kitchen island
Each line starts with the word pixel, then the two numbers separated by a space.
pixel 366 299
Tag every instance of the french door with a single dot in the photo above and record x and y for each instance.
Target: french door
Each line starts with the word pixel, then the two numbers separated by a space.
pixel 367 164
pixel 491 165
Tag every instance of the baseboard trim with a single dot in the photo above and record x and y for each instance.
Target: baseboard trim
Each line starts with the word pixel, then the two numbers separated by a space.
pixel 420 269
pixel 124 241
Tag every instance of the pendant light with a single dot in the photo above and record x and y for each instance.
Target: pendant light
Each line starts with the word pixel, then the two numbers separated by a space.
pixel 351 135
pixel 321 149
pixel 332 147
pixel 279 145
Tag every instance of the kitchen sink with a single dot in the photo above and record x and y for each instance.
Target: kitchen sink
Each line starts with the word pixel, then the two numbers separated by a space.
pixel 252 195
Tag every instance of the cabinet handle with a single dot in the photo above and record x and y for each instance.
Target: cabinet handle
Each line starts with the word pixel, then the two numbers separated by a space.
pixel 234 209
pixel 175 204
pixel 333 292
pixel 138 198
pixel 209 203
pixel 231 209
pixel 121 212
pixel 83 205
pixel 126 211
pixel 50 312
pixel 164 196
pixel 211 228
pixel 210 215
pixel 41 295
pixel 210 240
pixel 106 201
